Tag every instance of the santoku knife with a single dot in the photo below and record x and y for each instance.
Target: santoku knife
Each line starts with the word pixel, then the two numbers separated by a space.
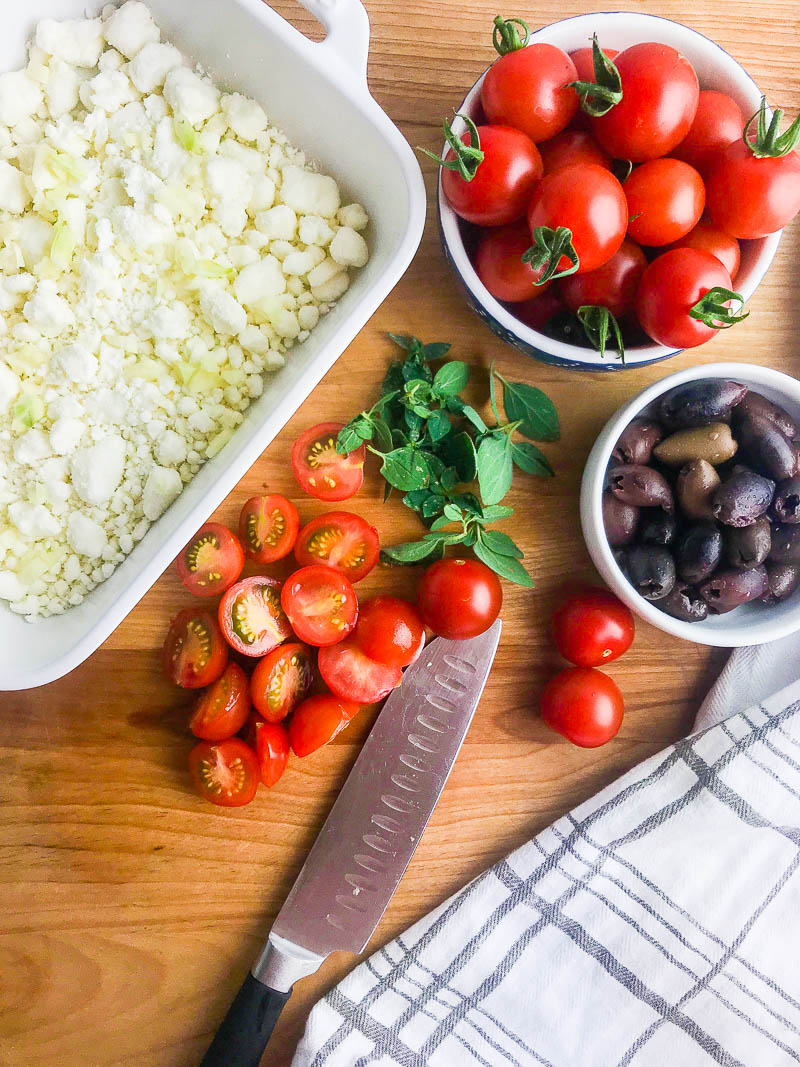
pixel 368 839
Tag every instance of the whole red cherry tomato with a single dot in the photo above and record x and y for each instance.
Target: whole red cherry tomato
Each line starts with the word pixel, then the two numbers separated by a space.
pixel 503 182
pixel 671 286
pixel 612 286
pixel 665 198
pixel 583 58
pixel 499 264
pixel 572 146
pixel 718 122
pixel 587 200
pixel 659 101
pixel 591 627
pixel 527 89
pixel 584 705
pixel 389 630
pixel 459 598
pixel 539 310
pixel 710 239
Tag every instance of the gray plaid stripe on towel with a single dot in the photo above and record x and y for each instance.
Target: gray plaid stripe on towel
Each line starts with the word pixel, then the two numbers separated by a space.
pixel 657 924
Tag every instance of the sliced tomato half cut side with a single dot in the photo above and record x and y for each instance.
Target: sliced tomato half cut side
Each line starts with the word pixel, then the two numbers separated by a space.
pixel 225 772
pixel 251 616
pixel 194 652
pixel 281 680
pixel 212 560
pixel 321 605
pixel 352 675
pixel 270 741
pixel 268 527
pixel 317 721
pixel 222 710
pixel 341 540
pixel 320 470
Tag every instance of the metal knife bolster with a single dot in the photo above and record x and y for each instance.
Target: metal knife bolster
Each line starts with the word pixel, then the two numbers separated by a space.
pixel 282 963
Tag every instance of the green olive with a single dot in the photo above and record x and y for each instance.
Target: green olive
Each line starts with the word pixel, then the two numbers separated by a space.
pixel 713 443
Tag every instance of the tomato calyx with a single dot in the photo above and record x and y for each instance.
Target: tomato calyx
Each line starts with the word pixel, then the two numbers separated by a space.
pixel 468 157
pixel 598 323
pixel 546 252
pixel 505 35
pixel 712 308
pixel 598 97
pixel 768 142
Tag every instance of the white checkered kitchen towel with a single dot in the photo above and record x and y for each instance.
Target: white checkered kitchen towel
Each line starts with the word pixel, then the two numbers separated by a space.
pixel 656 925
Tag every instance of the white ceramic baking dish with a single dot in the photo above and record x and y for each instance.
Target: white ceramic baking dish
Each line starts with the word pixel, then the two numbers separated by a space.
pixel 317 93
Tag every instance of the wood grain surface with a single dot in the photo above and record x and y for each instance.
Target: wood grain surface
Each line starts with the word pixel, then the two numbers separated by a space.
pixel 130 909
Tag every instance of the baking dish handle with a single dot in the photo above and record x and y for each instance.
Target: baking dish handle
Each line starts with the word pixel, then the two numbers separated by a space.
pixel 346 31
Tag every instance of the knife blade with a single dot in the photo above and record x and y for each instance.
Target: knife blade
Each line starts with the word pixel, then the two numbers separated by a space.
pixel 368 839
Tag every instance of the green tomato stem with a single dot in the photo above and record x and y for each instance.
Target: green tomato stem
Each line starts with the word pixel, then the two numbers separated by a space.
pixel 768 142
pixel 712 308
pixel 468 157
pixel 546 252
pixel 505 35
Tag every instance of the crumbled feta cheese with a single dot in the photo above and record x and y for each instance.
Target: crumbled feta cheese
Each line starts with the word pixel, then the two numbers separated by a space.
pixel 109 91
pixel 309 193
pixel 265 278
pixel 97 471
pixel 278 223
pixel 33 521
pixel 303 262
pixel 332 289
pixel 32 447
pixel 349 248
pixel 20 97
pixel 65 434
pixel 171 449
pixel 221 311
pixel 76 41
pixel 47 311
pixel 263 194
pixel 152 64
pixel 245 117
pixel 314 230
pixel 163 485
pixel 191 97
pixel 85 536
pixel 130 28
pixel 353 215
pixel 14 194
pixel 9 386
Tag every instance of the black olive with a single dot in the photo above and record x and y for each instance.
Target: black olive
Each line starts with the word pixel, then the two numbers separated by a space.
pixel 650 570
pixel 786 503
pixel 685 603
pixel 742 498
pixel 748 546
pixel 619 519
pixel 636 442
pixel 783 579
pixel 700 402
pixel 729 589
pixel 641 486
pixel 698 552
pixel 756 404
pixel 785 544
pixel 766 449
pixel 657 528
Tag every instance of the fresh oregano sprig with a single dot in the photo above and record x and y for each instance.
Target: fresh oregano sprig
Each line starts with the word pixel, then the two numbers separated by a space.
pixel 453 468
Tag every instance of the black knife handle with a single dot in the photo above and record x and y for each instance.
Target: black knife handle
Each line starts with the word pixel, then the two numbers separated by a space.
pixel 244 1032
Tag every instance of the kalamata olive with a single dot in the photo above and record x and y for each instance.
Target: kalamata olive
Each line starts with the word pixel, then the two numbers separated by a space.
pixel 786 502
pixel 766 449
pixel 698 552
pixel 698 403
pixel 785 544
pixel 783 579
pixel 729 589
pixel 684 603
pixel 697 483
pixel 641 486
pixel 756 404
pixel 748 546
pixel 636 442
pixel 657 528
pixel 742 498
pixel 619 520
pixel 713 443
pixel 650 570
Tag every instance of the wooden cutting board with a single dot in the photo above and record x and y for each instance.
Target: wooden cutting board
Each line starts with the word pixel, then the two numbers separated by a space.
pixel 130 909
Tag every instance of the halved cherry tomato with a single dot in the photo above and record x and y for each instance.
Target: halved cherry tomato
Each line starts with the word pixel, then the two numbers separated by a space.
pixel 572 146
pixel 321 605
pixel 222 710
pixel 317 721
pixel 527 89
pixel 320 470
pixel 268 527
pixel 584 705
pixel 718 122
pixel 659 100
pixel 212 560
pixel 281 680
pixel 340 540
pixel 708 238
pixel 352 675
pixel 591 627
pixel 612 286
pixel 389 630
pixel 270 742
pixel 194 651
pixel 251 616
pixel 459 598
pixel 665 198
pixel 224 772
pixel 670 287
pixel 503 182
pixel 498 264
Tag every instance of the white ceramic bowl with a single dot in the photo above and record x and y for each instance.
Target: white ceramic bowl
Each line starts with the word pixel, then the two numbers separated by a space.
pixel 751 624
pixel 716 69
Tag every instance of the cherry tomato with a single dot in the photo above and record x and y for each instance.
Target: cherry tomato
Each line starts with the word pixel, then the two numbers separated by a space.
pixel 584 705
pixel 459 598
pixel 589 201
pixel 270 742
pixel 268 527
pixel 572 146
pixel 351 675
pixel 612 286
pixel 659 101
pixel 672 284
pixel 498 264
pixel 527 89
pixel 251 616
pixel 320 470
pixel 718 122
pixel 194 651
pixel 321 605
pixel 317 721
pixel 281 680
pixel 583 58
pixel 709 239
pixel 340 540
pixel 749 197
pixel 224 772
pixel 592 626
pixel 665 198
pixel 503 182
pixel 211 561
pixel 222 710
pixel 390 631
pixel 538 311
